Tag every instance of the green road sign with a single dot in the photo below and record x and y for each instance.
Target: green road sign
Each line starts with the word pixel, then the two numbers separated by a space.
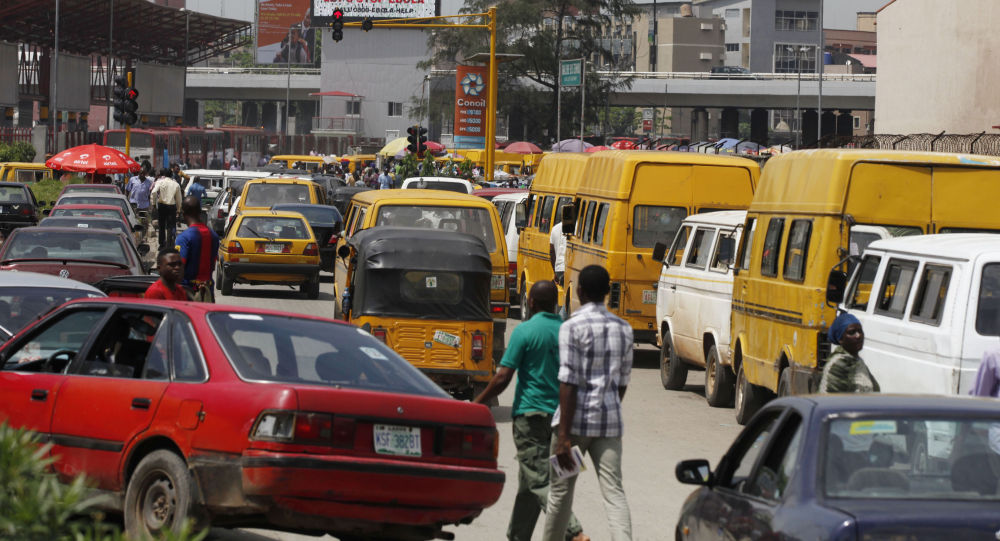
pixel 570 72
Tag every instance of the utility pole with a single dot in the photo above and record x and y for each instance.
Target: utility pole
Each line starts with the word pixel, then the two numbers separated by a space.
pixel 54 85
pixel 288 77
pixel 819 70
pixel 111 52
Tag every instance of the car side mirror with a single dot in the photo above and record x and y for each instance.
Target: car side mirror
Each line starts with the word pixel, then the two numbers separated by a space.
pixel 694 472
pixel 520 224
pixel 836 283
pixel 344 251
pixel 143 249
pixel 568 219
pixel 659 251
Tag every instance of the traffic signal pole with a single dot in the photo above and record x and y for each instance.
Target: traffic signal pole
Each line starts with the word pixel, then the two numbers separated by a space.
pixel 128 127
pixel 490 24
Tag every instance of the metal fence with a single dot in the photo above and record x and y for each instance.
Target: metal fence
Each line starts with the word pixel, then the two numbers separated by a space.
pixel 971 143
pixel 15 134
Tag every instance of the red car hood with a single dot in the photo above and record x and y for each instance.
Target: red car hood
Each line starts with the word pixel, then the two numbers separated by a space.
pixel 88 273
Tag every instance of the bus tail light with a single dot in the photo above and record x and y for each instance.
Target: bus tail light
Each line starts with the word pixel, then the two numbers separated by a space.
pixel 478 345
pixel 381 334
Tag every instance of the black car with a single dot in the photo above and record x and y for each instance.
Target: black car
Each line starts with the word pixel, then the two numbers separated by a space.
pixel 329 184
pixel 342 196
pixel 853 467
pixel 326 223
pixel 18 207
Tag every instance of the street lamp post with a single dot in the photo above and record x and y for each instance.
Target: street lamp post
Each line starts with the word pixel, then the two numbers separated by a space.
pixel 798 92
pixel 187 34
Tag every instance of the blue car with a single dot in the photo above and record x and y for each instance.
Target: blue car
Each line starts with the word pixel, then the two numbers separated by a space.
pixel 853 467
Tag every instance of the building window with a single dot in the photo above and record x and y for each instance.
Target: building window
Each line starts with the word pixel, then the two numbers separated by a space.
pixel 732 47
pixel 353 107
pixel 792 57
pixel 857 123
pixel 395 108
pixel 796 21
pixel 732 13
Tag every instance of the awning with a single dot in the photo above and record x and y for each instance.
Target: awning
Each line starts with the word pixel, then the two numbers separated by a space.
pixel 336 93
pixel 867 60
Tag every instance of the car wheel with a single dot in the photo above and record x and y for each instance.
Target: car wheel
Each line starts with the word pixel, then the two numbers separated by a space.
pixel 159 496
pixel 227 285
pixel 785 382
pixel 719 381
pixel 312 289
pixel 524 303
pixel 673 371
pixel 218 277
pixel 749 398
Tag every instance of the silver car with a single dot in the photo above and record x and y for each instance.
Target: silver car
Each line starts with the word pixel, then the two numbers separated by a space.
pixel 26 296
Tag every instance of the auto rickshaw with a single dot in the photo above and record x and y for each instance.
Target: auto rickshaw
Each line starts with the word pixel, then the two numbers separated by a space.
pixel 426 294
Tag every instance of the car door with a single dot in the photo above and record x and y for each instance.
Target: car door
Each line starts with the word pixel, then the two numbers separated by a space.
pixel 111 394
pixel 691 278
pixel 29 384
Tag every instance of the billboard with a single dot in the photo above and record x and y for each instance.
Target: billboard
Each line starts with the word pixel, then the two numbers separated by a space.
pixel 280 22
pixel 471 91
pixel 355 10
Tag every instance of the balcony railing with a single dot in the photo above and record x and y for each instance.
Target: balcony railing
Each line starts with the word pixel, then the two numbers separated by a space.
pixel 339 124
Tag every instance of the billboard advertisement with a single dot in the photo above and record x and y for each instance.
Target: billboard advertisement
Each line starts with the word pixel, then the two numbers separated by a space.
pixel 471 91
pixel 285 32
pixel 356 10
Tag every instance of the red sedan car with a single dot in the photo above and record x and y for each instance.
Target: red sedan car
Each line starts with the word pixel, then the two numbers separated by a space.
pixel 246 417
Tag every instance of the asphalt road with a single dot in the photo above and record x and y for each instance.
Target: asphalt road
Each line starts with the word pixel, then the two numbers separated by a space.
pixel 661 428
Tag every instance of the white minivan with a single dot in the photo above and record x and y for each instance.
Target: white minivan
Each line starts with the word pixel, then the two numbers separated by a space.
pixel 448 184
pixel 929 306
pixel 694 298
pixel 513 215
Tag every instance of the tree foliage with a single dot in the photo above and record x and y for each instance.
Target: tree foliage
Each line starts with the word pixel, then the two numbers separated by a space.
pixel 19 151
pixel 539 30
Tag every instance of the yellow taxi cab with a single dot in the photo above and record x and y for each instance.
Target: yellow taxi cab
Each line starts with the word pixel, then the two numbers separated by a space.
pixel 435 209
pixel 269 247
pixel 262 193
pixel 24 172
pixel 298 161
pixel 357 160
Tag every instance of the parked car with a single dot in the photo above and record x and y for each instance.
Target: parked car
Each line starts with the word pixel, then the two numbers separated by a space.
pixel 326 224
pixel 694 298
pixel 111 212
pixel 24 172
pixel 87 255
pixel 89 188
pixel 89 222
pixel 18 207
pixel 239 416
pixel 438 183
pixel 26 296
pixel 930 308
pixel 101 199
pixel 852 467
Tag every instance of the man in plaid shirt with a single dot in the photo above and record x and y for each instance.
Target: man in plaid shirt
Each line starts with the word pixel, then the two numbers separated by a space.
pixel 595 360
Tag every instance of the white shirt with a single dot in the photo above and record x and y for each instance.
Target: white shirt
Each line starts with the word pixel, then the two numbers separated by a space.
pixel 557 240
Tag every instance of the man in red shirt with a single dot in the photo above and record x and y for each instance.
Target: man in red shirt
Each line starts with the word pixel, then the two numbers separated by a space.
pixel 167 287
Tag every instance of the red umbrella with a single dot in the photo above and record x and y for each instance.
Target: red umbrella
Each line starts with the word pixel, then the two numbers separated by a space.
pixel 597 148
pixel 434 147
pixel 623 144
pixel 94 159
pixel 523 147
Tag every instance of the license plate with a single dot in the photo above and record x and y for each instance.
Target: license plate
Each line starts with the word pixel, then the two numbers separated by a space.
pixel 446 338
pixel 272 248
pixel 648 296
pixel 397 440
pixel 498 281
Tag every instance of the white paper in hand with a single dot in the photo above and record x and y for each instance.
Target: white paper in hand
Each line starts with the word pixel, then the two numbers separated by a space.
pixel 578 465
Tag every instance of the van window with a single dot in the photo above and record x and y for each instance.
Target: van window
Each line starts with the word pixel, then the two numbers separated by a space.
pixel 544 219
pixel 988 313
pixel 896 286
pixel 772 244
pixel 602 219
pixel 529 208
pixel 701 248
pixel 797 250
pixel 360 219
pixel 588 222
pixel 725 251
pixel 506 210
pixel 650 224
pixel 931 294
pixel 746 243
pixel 862 289
pixel 677 250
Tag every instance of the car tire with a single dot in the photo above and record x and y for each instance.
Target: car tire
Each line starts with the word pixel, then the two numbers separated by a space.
pixel 785 382
pixel 227 285
pixel 749 398
pixel 160 497
pixel 720 383
pixel 673 371
pixel 313 291
pixel 523 298
pixel 218 277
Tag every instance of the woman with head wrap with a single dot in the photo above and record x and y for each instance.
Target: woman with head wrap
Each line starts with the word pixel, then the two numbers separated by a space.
pixel 845 372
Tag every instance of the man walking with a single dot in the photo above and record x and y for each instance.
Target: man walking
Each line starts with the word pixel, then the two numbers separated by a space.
pixel 199 249
pixel 384 182
pixel 533 352
pixel 595 361
pixel 166 195
pixel 167 288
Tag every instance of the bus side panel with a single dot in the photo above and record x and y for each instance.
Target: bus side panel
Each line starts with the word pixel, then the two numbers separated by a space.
pixel 721 187
pixel 884 194
pixel 965 198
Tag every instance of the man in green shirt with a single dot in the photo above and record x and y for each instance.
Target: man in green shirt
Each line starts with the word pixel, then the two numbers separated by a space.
pixel 533 351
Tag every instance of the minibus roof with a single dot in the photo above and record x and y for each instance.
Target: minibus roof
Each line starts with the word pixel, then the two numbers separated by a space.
pixel 560 172
pixel 610 173
pixel 955 246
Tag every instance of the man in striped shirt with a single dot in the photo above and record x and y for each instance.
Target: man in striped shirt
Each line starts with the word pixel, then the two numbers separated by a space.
pixel 595 361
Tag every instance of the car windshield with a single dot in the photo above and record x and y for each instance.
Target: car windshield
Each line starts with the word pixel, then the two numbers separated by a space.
pixel 913 458
pixel 105 213
pixel 42 244
pixel 315 214
pixel 475 221
pixel 272 227
pixel 264 194
pixel 19 306
pixel 297 350
pixel 83 223
pixel 13 194
pixel 81 199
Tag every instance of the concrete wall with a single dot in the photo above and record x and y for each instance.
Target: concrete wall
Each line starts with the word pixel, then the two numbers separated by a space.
pixel 379 65
pixel 935 67
pixel 737 28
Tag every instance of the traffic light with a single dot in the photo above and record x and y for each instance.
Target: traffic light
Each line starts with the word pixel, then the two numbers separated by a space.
pixel 367 25
pixel 338 25
pixel 124 101
pixel 417 136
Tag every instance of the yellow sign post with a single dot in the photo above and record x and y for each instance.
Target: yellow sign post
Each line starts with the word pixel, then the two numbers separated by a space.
pixel 491 24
